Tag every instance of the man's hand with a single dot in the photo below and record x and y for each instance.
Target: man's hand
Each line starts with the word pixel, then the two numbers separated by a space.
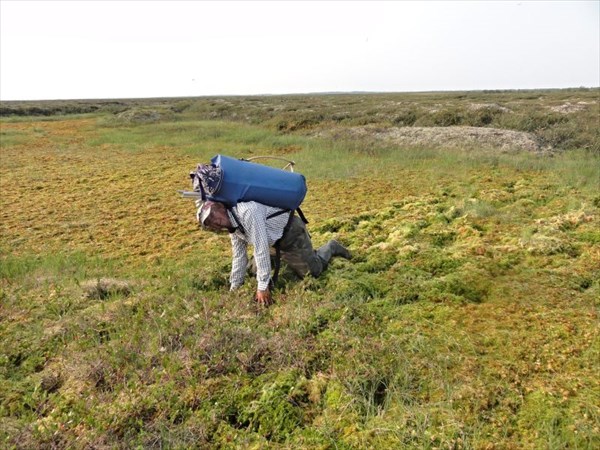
pixel 263 298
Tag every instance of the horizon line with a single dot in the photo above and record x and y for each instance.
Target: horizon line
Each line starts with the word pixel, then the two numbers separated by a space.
pixel 358 92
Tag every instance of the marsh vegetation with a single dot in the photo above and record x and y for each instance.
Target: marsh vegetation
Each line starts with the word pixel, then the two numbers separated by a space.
pixel 467 319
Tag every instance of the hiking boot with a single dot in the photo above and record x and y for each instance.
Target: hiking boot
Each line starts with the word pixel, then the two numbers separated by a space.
pixel 339 250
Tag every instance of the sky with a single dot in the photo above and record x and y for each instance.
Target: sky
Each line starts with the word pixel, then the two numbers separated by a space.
pixel 136 49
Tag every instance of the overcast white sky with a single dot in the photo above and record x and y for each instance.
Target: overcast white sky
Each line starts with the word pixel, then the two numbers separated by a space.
pixel 109 49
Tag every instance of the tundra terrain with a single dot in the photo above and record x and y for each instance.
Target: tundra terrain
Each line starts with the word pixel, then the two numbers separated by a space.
pixel 467 318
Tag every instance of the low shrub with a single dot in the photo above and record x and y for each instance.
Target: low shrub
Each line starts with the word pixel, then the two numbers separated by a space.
pixel 102 288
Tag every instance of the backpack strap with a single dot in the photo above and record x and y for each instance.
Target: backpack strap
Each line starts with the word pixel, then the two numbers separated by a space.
pixel 278 213
pixel 301 214
pixel 237 220
pixel 270 216
pixel 283 211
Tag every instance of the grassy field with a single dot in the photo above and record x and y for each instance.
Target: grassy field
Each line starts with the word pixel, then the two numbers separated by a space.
pixel 467 319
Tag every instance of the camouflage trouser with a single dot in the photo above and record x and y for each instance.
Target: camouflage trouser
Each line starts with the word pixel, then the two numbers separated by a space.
pixel 298 253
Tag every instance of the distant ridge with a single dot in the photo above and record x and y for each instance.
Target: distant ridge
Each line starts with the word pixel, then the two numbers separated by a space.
pixel 316 93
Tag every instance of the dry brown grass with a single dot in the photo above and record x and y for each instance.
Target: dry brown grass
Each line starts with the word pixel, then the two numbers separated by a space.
pixel 60 195
pixel 102 288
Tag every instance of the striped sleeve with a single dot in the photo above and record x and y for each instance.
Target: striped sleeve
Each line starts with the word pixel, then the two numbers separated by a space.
pixel 255 222
pixel 239 262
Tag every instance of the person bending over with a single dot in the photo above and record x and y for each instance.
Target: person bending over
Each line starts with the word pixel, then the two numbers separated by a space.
pixel 264 228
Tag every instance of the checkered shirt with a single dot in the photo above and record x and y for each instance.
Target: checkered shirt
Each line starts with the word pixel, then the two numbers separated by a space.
pixel 261 233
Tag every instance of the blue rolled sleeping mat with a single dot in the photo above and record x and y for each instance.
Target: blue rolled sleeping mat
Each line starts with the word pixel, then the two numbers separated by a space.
pixel 245 181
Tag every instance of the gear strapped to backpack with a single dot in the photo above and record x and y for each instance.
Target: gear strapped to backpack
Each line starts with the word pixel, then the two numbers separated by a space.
pixel 230 181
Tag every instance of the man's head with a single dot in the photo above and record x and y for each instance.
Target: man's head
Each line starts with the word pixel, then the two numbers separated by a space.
pixel 213 216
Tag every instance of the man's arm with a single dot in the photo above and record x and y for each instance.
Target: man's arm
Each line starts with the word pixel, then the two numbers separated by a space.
pixel 239 262
pixel 255 223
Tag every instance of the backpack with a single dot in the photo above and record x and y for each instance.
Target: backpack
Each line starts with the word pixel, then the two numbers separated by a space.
pixel 230 181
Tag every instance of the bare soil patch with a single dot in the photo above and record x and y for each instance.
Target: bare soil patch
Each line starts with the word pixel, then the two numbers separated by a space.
pixel 453 137
pixel 136 115
pixel 489 107
pixel 569 108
